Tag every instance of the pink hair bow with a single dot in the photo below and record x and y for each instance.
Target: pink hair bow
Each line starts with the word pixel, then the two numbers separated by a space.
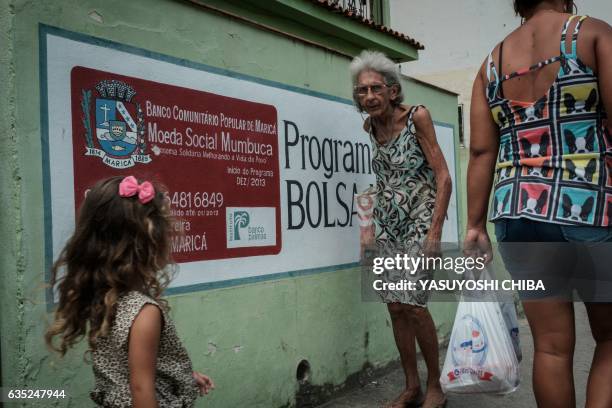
pixel 129 187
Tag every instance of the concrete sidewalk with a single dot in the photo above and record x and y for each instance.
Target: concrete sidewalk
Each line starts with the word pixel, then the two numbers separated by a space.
pixel 381 390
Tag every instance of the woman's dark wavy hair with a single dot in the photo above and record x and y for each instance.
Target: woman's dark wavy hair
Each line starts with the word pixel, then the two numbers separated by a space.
pixel 522 7
pixel 119 245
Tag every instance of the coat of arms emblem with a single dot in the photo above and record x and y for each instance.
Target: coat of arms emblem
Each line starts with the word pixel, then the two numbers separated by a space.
pixel 118 122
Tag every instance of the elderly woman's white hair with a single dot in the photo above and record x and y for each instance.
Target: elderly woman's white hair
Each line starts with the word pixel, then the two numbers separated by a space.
pixel 377 62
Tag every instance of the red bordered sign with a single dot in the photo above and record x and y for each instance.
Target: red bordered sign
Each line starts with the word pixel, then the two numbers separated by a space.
pixel 218 157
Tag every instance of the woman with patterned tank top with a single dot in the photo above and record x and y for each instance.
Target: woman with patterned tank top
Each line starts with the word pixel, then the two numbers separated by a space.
pixel 541 138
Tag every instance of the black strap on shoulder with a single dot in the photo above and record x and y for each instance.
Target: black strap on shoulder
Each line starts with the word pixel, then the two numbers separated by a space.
pixel 501 68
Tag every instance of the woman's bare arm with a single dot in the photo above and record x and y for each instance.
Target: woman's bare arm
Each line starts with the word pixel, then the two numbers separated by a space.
pixel 603 56
pixel 484 145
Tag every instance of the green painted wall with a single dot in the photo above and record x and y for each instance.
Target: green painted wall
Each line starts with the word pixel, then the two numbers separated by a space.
pixel 249 338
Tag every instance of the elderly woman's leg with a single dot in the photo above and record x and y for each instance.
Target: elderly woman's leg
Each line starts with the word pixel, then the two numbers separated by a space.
pixel 404 335
pixel 427 338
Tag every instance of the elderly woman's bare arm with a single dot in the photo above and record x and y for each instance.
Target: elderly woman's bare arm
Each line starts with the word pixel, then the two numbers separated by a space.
pixel 426 135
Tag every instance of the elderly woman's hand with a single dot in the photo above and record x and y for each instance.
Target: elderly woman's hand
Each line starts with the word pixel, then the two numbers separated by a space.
pixel 431 245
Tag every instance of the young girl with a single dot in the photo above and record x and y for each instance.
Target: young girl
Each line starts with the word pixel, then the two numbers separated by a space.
pixel 116 265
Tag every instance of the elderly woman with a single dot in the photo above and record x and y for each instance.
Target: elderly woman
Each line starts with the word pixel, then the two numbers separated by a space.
pixel 413 188
pixel 540 137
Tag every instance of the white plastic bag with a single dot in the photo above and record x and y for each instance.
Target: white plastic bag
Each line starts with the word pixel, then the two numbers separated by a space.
pixel 509 312
pixel 481 357
pixel 507 305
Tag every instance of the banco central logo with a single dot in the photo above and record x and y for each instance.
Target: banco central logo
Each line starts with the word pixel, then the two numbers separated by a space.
pixel 241 220
pixel 250 226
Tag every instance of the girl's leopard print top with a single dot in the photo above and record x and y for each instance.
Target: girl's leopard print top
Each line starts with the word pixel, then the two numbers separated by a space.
pixel 174 383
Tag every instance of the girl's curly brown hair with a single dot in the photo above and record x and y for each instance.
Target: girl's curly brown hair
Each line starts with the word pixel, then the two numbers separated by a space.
pixel 119 245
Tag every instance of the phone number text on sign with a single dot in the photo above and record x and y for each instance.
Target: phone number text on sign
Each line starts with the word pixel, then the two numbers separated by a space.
pixel 217 156
pixel 186 200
